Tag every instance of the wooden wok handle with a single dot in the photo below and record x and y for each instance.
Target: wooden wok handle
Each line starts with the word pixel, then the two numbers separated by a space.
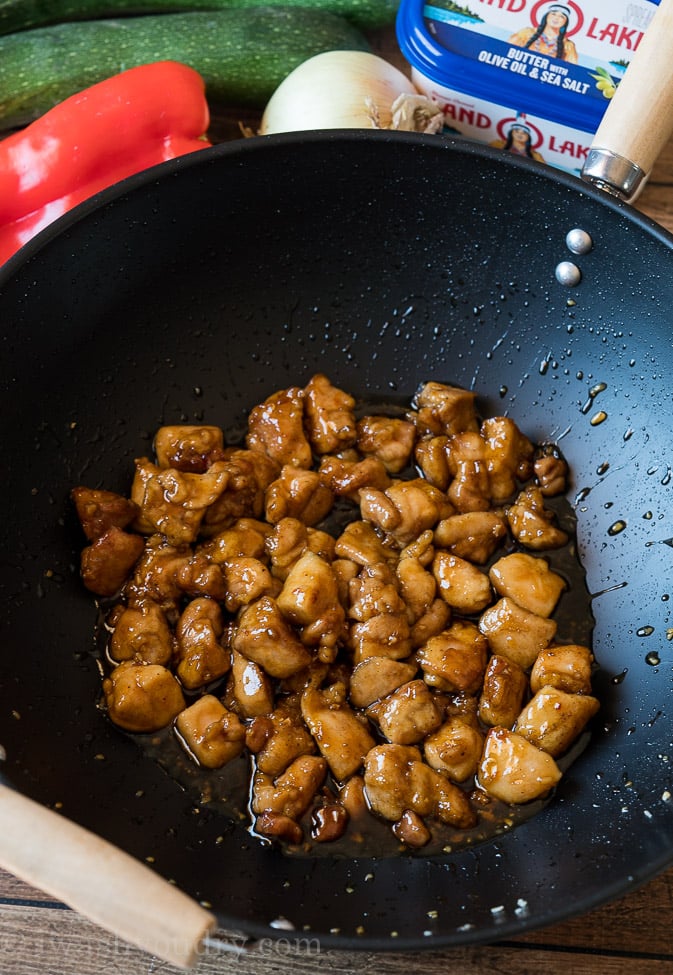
pixel 639 119
pixel 99 881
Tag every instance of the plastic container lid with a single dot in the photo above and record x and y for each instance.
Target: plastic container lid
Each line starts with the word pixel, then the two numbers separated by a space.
pixel 501 51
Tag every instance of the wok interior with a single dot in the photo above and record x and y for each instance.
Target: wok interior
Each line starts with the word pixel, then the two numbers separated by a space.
pixel 381 261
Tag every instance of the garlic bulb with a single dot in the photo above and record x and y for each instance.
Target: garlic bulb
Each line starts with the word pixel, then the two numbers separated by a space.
pixel 344 90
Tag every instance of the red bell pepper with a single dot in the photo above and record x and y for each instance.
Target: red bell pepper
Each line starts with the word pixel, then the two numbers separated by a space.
pixel 91 140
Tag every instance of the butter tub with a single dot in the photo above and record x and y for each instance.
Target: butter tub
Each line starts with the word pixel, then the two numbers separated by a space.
pixel 528 76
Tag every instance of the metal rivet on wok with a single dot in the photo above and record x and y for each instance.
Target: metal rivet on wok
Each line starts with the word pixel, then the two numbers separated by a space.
pixel 568 274
pixel 578 241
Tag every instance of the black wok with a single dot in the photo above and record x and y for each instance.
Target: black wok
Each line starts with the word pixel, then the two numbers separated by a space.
pixel 191 293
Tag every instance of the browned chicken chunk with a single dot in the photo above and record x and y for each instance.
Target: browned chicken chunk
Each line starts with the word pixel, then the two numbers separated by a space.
pixel 250 687
pixel 291 793
pixel 330 421
pixel 376 677
pixel 528 581
pixel 397 779
pixel 248 474
pixel 509 456
pixel 455 748
pixel 276 428
pixel 470 487
pixel 264 635
pixel 403 510
pixel 568 667
pixel 188 448
pixel 380 627
pixel 532 524
pixel 444 409
pixel 141 633
pixel 516 633
pixel 388 439
pixel 553 719
pixel 409 714
pixel 473 535
pixel 342 737
pixel 346 478
pixel 142 697
pixel 246 579
pixel 173 502
pixel 298 493
pixel 98 511
pixel 462 585
pixel 551 471
pixel 212 734
pixel 201 657
pixel 502 694
pixel 286 739
pixel 310 600
pixel 107 562
pixel 514 770
pixel 455 660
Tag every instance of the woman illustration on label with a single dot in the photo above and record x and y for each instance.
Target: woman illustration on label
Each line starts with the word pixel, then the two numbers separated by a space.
pixel 550 36
pixel 518 140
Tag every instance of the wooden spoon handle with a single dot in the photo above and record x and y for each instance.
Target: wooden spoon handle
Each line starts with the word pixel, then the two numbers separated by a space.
pixel 639 119
pixel 99 881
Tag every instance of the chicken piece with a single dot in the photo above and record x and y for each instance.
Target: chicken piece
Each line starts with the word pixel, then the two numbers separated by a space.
pixel 298 493
pixel 264 635
pixel 407 715
pixel 188 448
pixel 352 798
pixel 528 581
pixel 286 739
pixel 473 535
pixel 329 822
pixel 435 619
pixel 142 697
pixel 141 633
pixel 249 474
pixel 516 633
pixel 342 737
pixel 389 439
pixel 329 418
pixel 213 735
pixel 505 684
pixel 568 667
pixel 320 543
pixel 551 471
pixel 98 511
pixel 381 627
pixel 310 599
pixel 417 587
pixel 397 779
pixel 285 544
pixel 197 576
pixel 455 749
pixel 403 510
pixel 462 585
pixel 292 792
pixel 470 487
pixel 201 658
pixel 250 687
pixel 445 409
pixel 421 549
pixel 532 524
pixel 553 719
pixel 247 538
pixel 513 770
pixel 456 659
pixel 411 830
pixel 246 579
pixel 432 457
pixel 173 502
pixel 376 677
pixel 346 478
pixel 344 572
pixel 359 543
pixel 156 573
pixel 509 456
pixel 106 563
pixel 276 428
pixel 276 826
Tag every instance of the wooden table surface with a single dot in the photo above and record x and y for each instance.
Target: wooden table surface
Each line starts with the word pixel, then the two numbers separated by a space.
pixel 632 936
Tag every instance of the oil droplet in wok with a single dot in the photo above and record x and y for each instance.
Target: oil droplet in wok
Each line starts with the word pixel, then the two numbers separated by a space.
pixel 645 631
pixel 598 418
pixel 618 678
pixel 503 391
pixel 603 468
pixel 653 659
pixel 616 527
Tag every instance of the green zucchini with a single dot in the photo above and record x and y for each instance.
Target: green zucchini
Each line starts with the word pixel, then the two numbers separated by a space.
pixel 16 15
pixel 242 55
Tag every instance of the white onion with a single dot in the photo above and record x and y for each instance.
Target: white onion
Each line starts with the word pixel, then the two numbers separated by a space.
pixel 337 90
